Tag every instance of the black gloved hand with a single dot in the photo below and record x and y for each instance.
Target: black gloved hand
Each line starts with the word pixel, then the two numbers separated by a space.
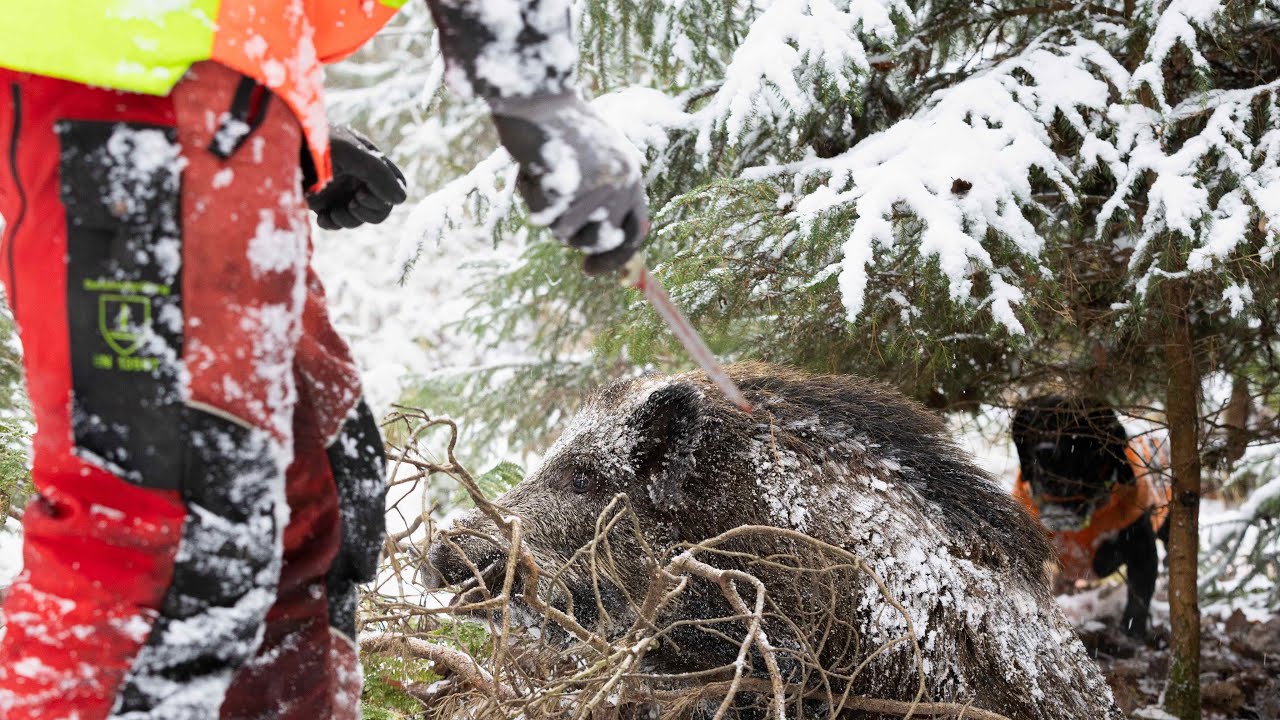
pixel 365 185
pixel 577 174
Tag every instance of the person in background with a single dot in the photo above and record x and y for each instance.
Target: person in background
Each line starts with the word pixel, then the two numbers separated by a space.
pixel 209 483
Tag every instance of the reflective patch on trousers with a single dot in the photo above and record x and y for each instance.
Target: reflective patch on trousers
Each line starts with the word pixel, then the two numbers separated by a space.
pixel 224 578
pixel 120 186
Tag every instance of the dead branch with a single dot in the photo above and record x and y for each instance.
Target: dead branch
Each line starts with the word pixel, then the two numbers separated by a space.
pixel 458 663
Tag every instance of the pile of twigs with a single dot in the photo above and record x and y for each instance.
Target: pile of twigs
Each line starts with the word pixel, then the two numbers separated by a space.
pixel 503 649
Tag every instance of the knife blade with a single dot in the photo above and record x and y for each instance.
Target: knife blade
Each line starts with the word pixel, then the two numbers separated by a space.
pixel 636 275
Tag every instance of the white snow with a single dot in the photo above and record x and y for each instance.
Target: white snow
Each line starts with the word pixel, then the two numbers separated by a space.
pixel 774 71
pixel 1175 26
pixel 274 249
pixel 1105 601
pixel 10 551
pixel 515 67
pixel 989 132
pixel 647 117
pixel 561 182
pixel 223 178
pixel 1265 495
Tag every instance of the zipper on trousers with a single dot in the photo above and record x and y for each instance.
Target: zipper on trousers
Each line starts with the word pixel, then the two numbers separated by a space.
pixel 12 229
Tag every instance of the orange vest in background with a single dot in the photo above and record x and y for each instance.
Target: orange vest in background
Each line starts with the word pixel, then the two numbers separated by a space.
pixel 1149 494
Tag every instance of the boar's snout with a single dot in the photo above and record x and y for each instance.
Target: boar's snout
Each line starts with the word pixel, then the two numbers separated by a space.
pixel 451 557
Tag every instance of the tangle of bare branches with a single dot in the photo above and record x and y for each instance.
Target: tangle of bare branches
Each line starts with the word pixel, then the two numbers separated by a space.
pixel 503 647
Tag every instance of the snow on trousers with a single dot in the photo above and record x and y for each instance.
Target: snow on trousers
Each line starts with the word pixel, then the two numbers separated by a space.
pixel 209 484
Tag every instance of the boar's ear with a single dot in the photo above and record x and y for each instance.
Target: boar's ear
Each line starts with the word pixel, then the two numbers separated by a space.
pixel 669 430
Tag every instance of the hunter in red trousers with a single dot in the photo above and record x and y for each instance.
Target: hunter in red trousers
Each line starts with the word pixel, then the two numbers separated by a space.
pixel 209 483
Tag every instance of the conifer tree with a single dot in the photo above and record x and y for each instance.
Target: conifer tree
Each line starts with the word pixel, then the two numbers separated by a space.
pixel 15 422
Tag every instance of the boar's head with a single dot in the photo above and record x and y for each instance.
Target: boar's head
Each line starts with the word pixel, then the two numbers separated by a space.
pixel 654 447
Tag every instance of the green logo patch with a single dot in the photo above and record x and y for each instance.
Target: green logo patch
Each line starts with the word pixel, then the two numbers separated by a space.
pixel 124 321
pixel 125 315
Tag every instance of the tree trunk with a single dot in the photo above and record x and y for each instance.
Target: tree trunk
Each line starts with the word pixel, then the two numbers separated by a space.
pixel 1182 692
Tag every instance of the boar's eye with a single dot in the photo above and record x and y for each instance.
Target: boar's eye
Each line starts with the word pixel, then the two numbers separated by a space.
pixel 581 482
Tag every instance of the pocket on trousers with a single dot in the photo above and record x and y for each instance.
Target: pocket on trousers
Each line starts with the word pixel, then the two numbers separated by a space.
pixel 121 188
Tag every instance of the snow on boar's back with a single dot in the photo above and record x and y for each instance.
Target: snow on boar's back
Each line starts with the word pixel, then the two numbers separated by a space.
pixel 909 537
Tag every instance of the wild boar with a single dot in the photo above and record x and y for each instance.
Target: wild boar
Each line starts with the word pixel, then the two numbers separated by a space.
pixel 848 462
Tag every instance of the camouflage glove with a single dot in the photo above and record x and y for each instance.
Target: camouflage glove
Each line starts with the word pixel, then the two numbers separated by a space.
pixel 578 175
pixel 365 185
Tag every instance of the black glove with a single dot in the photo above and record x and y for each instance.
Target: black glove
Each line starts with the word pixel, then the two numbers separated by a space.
pixel 365 184
pixel 578 176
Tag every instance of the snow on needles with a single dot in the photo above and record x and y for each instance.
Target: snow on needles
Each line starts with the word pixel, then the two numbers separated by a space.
pixel 1176 22
pixel 787 46
pixel 962 166
pixel 473 204
pixel 1179 197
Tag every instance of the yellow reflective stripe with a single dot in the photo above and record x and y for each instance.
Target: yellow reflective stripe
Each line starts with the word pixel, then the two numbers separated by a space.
pixel 397 4
pixel 137 45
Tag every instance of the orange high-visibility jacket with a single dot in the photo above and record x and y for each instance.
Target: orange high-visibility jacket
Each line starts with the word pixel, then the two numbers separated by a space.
pixel 1149 493
pixel 146 46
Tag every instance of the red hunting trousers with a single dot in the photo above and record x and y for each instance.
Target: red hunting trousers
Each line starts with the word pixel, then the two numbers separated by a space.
pixel 209 484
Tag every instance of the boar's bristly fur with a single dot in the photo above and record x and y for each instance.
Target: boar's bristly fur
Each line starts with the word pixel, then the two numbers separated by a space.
pixel 848 462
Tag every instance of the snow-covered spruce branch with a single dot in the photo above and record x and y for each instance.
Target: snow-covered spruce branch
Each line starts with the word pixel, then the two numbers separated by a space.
pixel 471 205
pixel 776 71
pixel 1246 547
pixel 1182 181
pixel 970 166
pixel 963 167
pixel 1174 24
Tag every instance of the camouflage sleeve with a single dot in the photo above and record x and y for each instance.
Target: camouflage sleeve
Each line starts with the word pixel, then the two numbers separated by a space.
pixel 507 49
